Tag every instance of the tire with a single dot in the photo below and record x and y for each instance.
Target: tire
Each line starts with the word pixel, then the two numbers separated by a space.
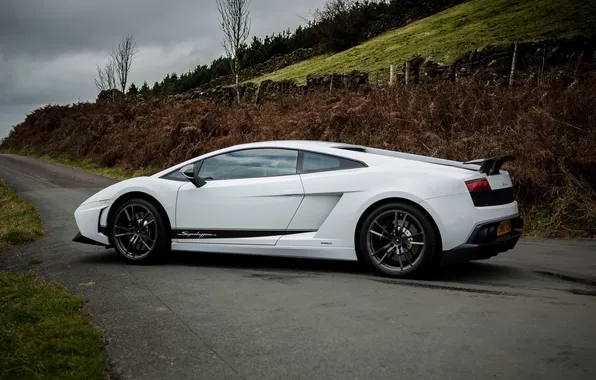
pixel 380 240
pixel 136 243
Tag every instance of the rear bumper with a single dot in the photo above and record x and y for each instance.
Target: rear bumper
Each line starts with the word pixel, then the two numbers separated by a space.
pixel 484 244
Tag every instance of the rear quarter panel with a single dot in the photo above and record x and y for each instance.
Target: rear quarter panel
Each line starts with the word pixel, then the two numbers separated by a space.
pixel 362 188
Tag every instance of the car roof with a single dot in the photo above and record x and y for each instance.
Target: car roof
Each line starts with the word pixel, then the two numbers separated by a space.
pixel 300 144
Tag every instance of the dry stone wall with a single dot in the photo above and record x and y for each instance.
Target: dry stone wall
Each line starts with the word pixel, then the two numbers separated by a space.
pixel 488 66
pixel 492 65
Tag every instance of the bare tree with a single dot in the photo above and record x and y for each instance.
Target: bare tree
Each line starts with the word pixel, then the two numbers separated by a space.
pixel 106 77
pixel 115 73
pixel 235 24
pixel 122 57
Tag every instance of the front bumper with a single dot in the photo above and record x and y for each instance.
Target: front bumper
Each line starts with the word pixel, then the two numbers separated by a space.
pixel 90 219
pixel 84 240
pixel 483 243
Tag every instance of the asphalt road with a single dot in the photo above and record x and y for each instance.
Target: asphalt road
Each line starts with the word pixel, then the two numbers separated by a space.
pixel 231 317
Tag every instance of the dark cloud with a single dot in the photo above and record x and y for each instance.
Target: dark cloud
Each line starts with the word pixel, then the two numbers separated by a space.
pixel 49 50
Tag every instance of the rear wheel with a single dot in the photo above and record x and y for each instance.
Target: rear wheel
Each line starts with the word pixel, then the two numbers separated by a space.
pixel 397 240
pixel 138 231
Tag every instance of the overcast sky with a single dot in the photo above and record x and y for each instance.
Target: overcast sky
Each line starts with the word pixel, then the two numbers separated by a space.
pixel 49 49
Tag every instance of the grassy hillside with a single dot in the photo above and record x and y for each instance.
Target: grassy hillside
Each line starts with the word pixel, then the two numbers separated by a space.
pixel 446 35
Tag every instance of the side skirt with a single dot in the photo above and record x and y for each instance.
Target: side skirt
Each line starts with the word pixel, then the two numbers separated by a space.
pixel 335 253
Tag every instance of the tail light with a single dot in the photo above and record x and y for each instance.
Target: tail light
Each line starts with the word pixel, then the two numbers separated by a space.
pixel 478 185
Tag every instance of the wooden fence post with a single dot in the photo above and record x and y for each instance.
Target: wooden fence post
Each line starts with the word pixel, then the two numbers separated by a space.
pixel 391 75
pixel 511 76
pixel 407 71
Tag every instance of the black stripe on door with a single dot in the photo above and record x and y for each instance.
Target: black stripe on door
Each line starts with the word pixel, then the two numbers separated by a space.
pixel 231 234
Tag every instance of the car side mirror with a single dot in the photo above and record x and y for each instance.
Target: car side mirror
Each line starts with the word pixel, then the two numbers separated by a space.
pixel 193 176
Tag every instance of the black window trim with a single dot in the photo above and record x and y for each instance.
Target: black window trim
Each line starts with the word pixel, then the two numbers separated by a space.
pixel 299 163
pixel 168 174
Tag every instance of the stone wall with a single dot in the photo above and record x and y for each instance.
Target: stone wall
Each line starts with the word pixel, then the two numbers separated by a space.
pixel 273 64
pixel 492 65
pixel 488 66
pixel 269 90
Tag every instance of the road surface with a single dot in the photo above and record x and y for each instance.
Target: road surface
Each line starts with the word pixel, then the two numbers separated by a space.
pixel 232 317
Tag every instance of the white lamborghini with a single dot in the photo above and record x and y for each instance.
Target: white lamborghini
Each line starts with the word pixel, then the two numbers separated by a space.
pixel 399 213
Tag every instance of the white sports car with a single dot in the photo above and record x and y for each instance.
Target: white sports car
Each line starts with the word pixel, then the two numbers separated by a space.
pixel 400 213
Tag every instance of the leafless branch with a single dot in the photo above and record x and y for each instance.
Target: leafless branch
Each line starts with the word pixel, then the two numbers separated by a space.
pixel 235 23
pixel 106 77
pixel 122 57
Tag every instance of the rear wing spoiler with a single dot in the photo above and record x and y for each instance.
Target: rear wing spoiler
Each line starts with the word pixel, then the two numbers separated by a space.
pixel 492 165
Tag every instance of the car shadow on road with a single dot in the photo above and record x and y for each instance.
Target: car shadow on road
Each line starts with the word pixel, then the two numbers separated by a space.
pixel 472 272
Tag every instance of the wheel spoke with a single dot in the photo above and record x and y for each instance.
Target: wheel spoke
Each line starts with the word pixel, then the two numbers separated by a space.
pixel 380 249
pixel 403 222
pixel 127 216
pixel 145 244
pixel 379 234
pixel 128 247
pixel 385 255
pixel 124 234
pixel 383 228
pixel 142 224
pixel 408 258
pixel 401 264
pixel 416 242
pixel 124 228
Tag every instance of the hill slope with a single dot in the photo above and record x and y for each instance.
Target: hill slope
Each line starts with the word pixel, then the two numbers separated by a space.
pixel 446 35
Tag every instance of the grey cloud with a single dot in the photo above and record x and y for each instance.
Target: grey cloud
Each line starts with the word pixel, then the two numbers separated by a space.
pixel 41 27
pixel 49 49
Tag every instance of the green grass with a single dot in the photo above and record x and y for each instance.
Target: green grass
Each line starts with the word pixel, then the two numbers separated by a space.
pixel 35 261
pixel 445 36
pixel 113 172
pixel 43 334
pixel 19 221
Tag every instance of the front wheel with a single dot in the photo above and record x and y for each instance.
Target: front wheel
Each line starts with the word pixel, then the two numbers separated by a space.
pixel 138 231
pixel 397 239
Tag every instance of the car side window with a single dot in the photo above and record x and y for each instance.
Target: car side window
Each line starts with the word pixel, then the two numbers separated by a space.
pixel 176 175
pixel 315 162
pixel 250 163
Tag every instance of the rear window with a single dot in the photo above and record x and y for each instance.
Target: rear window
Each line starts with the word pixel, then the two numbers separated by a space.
pixel 315 162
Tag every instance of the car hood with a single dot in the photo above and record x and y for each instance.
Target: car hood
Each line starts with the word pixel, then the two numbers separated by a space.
pixel 112 191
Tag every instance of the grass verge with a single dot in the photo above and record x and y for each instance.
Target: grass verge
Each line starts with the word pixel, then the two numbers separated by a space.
pixel 19 221
pixel 63 159
pixel 443 37
pixel 43 334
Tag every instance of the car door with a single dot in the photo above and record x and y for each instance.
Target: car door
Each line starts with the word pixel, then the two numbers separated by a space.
pixel 325 178
pixel 250 197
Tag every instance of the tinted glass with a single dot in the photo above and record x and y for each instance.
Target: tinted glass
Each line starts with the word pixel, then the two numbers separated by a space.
pixel 313 162
pixel 250 163
pixel 176 175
